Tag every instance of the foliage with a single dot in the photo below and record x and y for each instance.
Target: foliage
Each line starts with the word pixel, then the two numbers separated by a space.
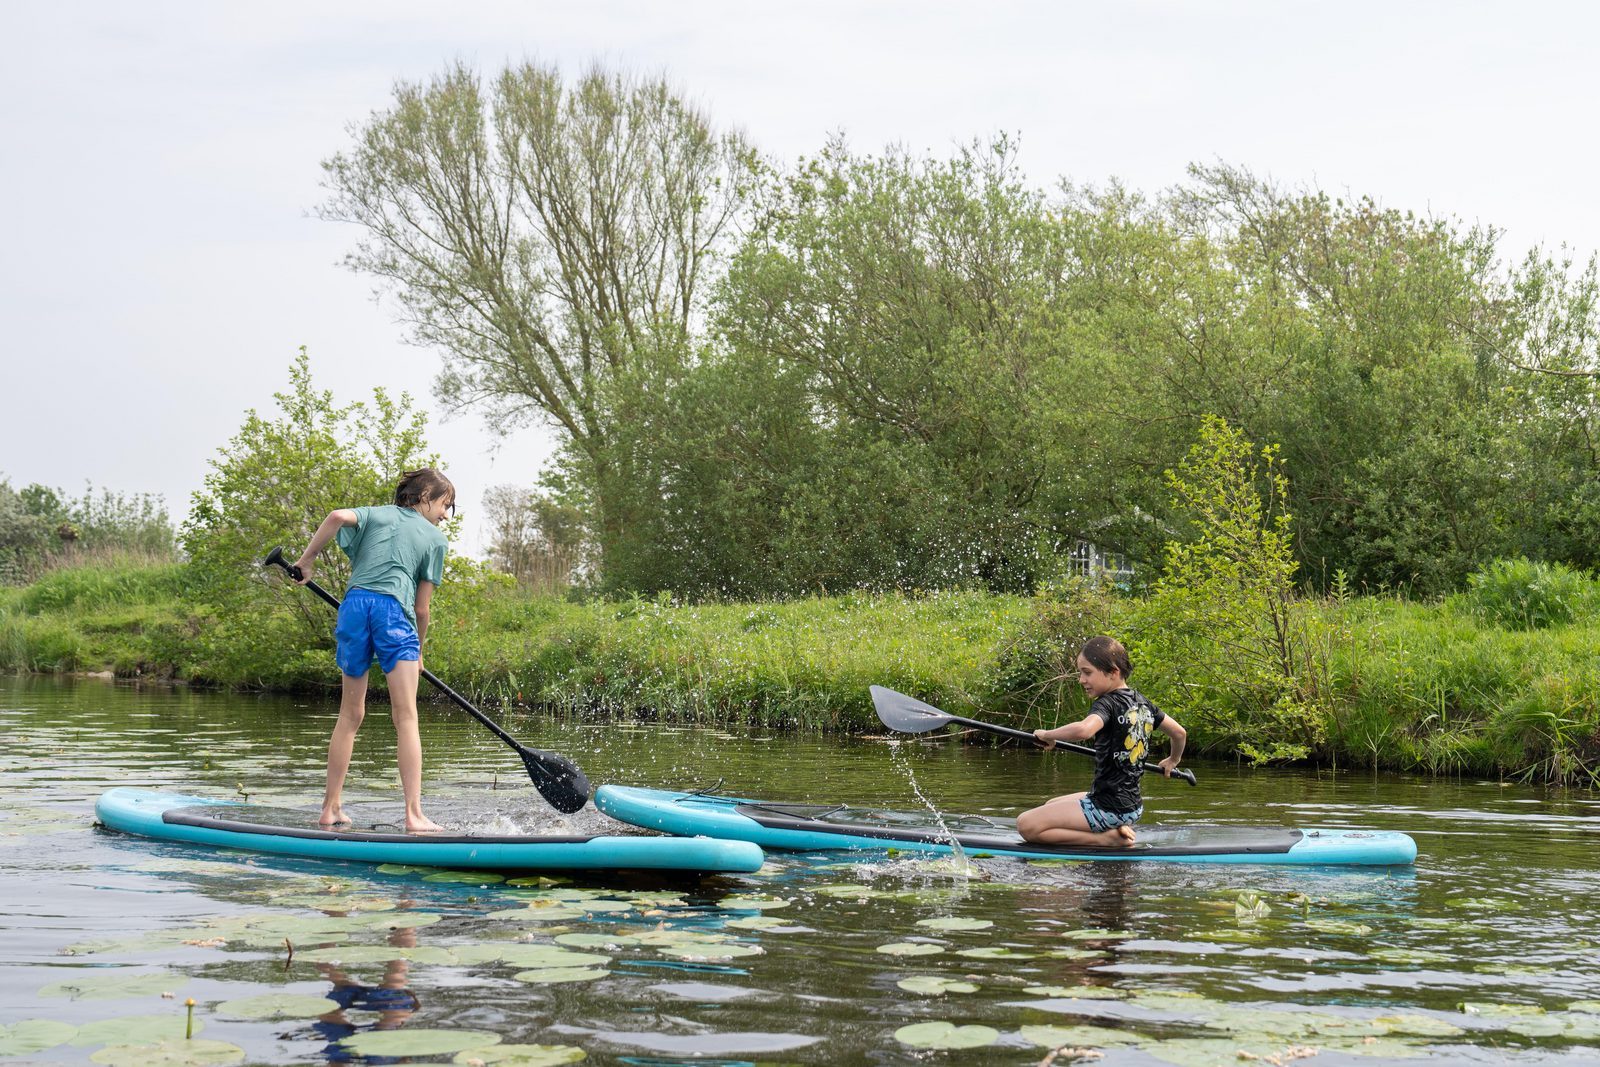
pixel 41 528
pixel 536 538
pixel 1225 606
pixel 272 485
pixel 863 415
pixel 544 236
pixel 1527 595
pixel 1424 687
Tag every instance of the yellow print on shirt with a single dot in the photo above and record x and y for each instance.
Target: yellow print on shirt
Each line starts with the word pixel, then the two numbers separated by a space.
pixel 1139 722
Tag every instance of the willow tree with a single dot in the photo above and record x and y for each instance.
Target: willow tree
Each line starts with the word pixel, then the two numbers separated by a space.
pixel 544 237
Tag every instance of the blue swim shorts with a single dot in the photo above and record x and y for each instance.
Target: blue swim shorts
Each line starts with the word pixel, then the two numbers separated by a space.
pixel 1100 820
pixel 373 625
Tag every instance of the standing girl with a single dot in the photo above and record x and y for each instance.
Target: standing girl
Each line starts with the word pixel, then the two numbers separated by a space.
pixel 1120 721
pixel 396 560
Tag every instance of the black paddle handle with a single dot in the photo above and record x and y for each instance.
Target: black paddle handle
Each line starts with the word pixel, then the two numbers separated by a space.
pixel 276 557
pixel 1024 735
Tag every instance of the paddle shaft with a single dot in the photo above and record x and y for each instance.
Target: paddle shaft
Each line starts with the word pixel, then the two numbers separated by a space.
pixel 1023 735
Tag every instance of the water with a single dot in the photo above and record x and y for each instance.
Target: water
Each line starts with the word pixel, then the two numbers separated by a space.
pixel 1148 963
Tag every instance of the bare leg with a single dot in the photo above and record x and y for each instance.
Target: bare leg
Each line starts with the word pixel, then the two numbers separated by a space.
pixel 408 743
pixel 1061 822
pixel 352 709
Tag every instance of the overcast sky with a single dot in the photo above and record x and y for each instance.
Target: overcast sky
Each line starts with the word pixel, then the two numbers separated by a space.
pixel 160 266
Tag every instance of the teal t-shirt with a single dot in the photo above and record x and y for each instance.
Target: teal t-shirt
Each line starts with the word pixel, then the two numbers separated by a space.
pixel 391 549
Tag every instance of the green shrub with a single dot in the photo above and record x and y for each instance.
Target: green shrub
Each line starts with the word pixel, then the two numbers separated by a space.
pixel 102 586
pixel 1522 594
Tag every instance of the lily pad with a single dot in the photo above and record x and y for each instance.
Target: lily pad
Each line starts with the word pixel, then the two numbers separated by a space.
pixel 1338 926
pixel 278 1006
pixel 954 922
pixel 1098 934
pixel 944 1035
pixel 178 866
pixel 1420 1025
pixel 550 956
pixel 552 914
pixel 909 948
pixel 335 902
pixel 417 1042
pixel 398 920
pixel 668 936
pixel 33 1035
pixel 1590 1006
pixel 758 901
pixel 1216 1051
pixel 596 940
pixel 465 877
pixel 850 892
pixel 1076 992
pixel 995 952
pixel 1478 1007
pixel 935 985
pixel 137 1029
pixel 522 1055
pixel 377 954
pixel 110 985
pixel 552 975
pixel 758 922
pixel 716 951
pixel 1073 953
pixel 189 1053
pixel 1409 955
pixel 1076 1036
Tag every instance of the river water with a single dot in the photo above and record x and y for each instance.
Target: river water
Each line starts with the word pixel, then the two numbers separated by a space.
pixel 1487 951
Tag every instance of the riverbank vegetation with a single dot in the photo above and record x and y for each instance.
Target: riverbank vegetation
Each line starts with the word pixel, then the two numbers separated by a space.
pixel 1449 687
pixel 1327 467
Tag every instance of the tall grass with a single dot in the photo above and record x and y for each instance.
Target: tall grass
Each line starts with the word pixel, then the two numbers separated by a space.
pixel 1439 688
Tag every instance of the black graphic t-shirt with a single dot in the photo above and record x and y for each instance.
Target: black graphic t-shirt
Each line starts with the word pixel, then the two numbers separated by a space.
pixel 1120 747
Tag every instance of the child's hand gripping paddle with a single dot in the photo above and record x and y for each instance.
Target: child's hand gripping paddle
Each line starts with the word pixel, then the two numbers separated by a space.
pixel 558 779
pixel 908 715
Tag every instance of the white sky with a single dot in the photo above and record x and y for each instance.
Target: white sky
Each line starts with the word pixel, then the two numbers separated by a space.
pixel 158 162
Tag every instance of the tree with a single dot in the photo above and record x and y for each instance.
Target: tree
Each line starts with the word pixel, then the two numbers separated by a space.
pixel 272 484
pixel 535 537
pixel 1225 606
pixel 543 236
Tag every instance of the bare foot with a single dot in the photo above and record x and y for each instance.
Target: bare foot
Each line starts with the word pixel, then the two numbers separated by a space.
pixel 333 817
pixel 422 825
pixel 1118 837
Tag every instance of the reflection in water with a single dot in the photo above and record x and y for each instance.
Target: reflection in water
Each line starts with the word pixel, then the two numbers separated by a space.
pixel 390 998
pixel 786 965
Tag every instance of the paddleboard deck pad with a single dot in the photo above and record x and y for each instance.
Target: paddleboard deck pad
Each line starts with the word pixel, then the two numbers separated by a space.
pixel 290 832
pixel 806 827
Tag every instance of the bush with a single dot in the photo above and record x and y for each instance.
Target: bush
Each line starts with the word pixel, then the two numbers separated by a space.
pixel 272 485
pixel 1522 594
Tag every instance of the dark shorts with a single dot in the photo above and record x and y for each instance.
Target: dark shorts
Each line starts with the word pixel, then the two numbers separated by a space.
pixel 1101 820
pixel 373 626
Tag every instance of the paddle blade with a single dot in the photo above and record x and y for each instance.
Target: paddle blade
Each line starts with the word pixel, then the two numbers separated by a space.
pixel 907 715
pixel 558 779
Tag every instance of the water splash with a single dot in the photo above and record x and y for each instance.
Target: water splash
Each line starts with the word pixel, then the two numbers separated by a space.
pixel 963 866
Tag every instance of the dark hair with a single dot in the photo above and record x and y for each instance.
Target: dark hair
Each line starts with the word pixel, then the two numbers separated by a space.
pixel 1107 654
pixel 424 484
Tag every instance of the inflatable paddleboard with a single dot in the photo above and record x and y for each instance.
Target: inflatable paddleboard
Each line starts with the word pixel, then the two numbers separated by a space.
pixel 808 827
pixel 287 832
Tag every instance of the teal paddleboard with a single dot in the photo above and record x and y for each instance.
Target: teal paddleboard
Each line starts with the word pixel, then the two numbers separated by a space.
pixel 288 832
pixel 807 827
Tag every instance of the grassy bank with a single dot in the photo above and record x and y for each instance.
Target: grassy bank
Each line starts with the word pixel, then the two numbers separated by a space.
pixel 1430 687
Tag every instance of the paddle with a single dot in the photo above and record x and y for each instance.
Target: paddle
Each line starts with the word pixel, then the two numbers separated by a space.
pixel 557 778
pixel 909 715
